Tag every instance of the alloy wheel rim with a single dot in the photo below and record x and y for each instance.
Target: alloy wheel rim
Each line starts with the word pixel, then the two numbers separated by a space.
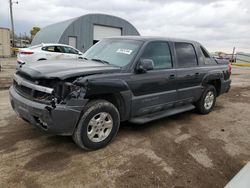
pixel 99 127
pixel 209 100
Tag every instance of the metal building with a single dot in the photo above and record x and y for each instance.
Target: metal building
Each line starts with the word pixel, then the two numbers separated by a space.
pixel 5 42
pixel 84 31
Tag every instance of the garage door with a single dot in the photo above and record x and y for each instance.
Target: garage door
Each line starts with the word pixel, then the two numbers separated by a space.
pixel 101 32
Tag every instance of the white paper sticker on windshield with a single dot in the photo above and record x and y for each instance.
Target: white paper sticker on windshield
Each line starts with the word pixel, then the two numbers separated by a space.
pixel 124 51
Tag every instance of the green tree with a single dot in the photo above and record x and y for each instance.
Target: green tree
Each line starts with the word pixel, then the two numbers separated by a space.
pixel 34 31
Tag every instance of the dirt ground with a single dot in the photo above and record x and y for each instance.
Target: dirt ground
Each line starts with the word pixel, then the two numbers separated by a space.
pixel 185 150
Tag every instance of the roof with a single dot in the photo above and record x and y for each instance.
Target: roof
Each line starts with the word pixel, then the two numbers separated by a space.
pixel 149 38
pixel 55 44
pixel 4 28
pixel 50 44
pixel 53 33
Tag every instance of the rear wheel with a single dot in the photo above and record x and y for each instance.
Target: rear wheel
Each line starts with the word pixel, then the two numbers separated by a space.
pixel 98 125
pixel 207 100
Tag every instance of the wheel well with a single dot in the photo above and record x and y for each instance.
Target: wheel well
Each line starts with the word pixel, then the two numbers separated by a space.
pixel 217 84
pixel 115 99
pixel 41 59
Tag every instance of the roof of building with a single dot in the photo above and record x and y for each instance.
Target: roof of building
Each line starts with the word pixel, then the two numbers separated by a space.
pixel 4 28
pixel 52 33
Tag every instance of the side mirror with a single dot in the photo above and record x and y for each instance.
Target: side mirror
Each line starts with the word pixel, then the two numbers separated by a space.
pixel 145 65
pixel 80 53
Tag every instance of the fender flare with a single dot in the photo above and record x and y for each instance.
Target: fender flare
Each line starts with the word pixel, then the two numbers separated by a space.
pixel 216 79
pixel 115 87
pixel 211 77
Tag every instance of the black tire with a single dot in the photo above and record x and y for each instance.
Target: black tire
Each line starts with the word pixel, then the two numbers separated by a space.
pixel 200 104
pixel 91 110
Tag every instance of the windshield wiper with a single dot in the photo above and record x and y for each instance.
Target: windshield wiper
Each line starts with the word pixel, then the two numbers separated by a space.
pixel 100 60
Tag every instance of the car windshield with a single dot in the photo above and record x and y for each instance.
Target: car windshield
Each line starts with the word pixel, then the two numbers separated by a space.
pixel 118 52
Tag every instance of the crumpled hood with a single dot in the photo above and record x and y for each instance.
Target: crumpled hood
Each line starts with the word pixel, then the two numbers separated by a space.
pixel 63 69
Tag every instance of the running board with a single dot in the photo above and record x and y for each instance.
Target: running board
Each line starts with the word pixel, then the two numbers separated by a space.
pixel 158 115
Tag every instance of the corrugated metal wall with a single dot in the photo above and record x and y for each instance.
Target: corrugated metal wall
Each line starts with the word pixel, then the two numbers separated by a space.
pixel 82 29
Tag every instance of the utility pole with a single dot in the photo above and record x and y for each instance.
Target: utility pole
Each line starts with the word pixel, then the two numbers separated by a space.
pixel 233 60
pixel 12 23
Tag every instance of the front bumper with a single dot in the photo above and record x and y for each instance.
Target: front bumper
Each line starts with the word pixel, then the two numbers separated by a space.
pixel 60 120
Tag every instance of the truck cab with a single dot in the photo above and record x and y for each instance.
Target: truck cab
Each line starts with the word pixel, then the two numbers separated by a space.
pixel 136 79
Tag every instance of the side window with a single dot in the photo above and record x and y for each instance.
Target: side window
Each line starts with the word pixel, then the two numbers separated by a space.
pixel 208 59
pixel 70 50
pixel 186 55
pixel 159 52
pixel 58 49
pixel 53 49
pixel 205 53
pixel 49 48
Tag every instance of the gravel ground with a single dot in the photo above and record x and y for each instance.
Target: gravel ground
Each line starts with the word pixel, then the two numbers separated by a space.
pixel 185 150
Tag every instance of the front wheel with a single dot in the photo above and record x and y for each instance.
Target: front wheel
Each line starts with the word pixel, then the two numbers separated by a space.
pixel 207 101
pixel 98 125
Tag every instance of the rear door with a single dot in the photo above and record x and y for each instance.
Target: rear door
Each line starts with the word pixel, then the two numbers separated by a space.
pixel 154 90
pixel 188 72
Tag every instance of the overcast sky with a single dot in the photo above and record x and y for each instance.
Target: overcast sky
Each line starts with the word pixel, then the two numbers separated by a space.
pixel 219 25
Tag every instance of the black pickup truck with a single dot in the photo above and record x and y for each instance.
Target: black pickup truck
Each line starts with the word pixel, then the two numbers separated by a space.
pixel 135 79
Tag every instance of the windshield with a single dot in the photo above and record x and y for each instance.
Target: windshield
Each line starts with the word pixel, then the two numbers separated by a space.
pixel 119 52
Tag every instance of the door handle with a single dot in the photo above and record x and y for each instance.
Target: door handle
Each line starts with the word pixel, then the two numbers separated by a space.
pixel 171 77
pixel 197 74
pixel 189 76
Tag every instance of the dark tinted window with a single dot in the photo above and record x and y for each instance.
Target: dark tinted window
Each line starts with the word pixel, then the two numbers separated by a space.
pixel 208 60
pixel 186 55
pixel 205 53
pixel 53 49
pixel 70 50
pixel 159 52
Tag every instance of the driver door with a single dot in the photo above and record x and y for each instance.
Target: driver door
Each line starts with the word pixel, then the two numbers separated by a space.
pixel 154 90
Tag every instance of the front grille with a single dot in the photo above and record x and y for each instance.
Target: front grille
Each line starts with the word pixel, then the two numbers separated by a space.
pixel 24 91
pixel 30 93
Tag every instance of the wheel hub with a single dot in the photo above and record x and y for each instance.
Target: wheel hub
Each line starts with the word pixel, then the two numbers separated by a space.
pixel 99 127
pixel 209 100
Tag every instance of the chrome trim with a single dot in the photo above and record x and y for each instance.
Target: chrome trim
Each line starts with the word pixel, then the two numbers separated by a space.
pixel 21 81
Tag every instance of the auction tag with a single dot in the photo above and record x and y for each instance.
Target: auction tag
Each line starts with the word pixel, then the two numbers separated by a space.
pixel 124 51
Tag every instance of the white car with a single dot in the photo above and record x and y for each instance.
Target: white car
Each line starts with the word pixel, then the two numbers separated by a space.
pixel 47 52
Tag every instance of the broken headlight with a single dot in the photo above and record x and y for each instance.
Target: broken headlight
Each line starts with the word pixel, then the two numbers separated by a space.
pixel 73 91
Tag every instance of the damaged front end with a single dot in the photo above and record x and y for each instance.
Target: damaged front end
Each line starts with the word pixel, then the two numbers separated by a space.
pixel 48 91
pixel 51 104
